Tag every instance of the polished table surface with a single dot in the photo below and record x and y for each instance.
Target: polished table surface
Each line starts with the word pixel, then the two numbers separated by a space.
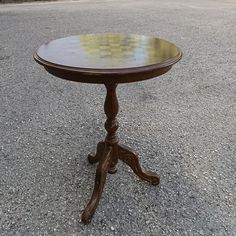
pixel 109 59
pixel 108 54
pixel 108 51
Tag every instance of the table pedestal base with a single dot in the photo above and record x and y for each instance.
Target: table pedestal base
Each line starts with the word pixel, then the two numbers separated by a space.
pixel 107 156
pixel 109 152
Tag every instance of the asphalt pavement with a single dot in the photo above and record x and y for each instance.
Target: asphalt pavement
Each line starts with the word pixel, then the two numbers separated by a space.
pixel 182 124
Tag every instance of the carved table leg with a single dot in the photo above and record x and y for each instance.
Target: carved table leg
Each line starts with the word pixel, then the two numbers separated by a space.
pixel 128 156
pixel 108 153
pixel 111 108
pixel 113 168
pixel 98 155
pixel 100 179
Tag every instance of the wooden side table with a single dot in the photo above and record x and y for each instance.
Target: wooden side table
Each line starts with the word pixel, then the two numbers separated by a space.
pixel 109 59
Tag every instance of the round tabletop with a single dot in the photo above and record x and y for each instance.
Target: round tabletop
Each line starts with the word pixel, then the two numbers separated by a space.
pixel 110 57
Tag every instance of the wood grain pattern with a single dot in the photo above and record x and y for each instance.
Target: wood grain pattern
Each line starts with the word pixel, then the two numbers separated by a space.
pixel 106 58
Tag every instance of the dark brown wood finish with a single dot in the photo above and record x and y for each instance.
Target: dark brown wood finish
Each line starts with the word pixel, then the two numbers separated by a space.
pixel 108 153
pixel 106 58
pixel 109 59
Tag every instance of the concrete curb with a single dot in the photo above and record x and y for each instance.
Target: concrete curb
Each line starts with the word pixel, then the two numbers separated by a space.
pixel 20 1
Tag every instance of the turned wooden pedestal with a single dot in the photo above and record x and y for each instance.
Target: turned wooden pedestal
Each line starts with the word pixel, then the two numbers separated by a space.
pixel 109 152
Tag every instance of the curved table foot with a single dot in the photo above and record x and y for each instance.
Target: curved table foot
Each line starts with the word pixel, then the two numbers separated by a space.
pixel 100 149
pixel 100 179
pixel 112 169
pixel 128 156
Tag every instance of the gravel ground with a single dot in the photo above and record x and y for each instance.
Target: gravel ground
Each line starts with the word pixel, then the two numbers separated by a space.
pixel 182 124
